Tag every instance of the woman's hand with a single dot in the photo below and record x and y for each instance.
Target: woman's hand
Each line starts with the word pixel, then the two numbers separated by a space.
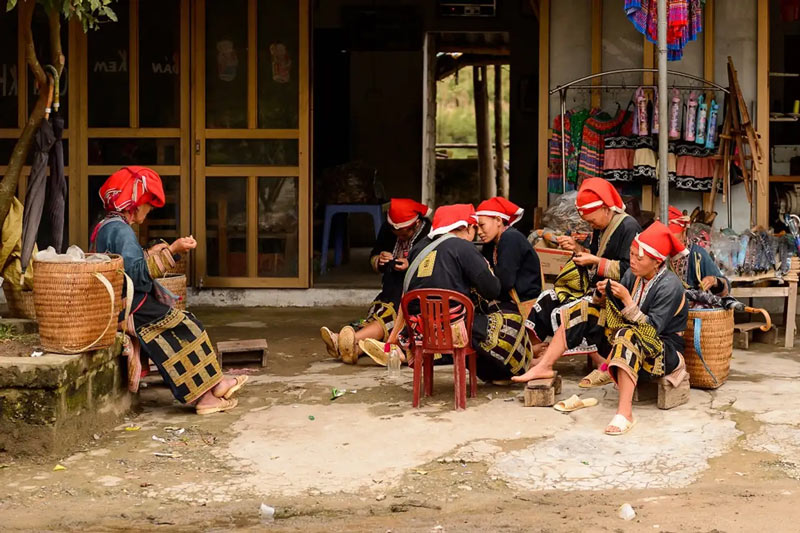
pixel 585 259
pixel 401 264
pixel 709 282
pixel 156 248
pixel 601 287
pixel 568 243
pixel 619 290
pixel 384 258
pixel 183 245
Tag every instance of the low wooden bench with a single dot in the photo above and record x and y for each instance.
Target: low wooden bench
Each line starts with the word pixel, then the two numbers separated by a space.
pixel 242 352
pixel 542 392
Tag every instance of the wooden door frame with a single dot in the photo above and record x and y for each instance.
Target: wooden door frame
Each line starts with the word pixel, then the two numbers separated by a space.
pixel 200 171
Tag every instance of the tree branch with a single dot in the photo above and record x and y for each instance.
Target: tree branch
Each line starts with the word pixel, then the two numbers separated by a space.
pixel 28 7
pixel 56 53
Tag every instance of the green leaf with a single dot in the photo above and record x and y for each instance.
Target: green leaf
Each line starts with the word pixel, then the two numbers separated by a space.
pixel 110 14
pixel 11 4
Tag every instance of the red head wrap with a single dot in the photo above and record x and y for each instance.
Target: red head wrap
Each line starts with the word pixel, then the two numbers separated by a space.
pixel 500 207
pixel 450 217
pixel 130 187
pixel 595 193
pixel 658 242
pixel 404 211
pixel 677 220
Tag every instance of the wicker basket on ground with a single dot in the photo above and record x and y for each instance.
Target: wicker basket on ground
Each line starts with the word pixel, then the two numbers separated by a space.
pixel 77 304
pixel 176 283
pixel 709 340
pixel 20 303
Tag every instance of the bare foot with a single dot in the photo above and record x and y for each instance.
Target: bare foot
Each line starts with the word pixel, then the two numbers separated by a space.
pixel 222 387
pixel 539 349
pixel 535 372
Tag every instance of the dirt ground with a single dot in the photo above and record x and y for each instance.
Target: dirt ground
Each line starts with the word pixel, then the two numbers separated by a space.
pixel 727 462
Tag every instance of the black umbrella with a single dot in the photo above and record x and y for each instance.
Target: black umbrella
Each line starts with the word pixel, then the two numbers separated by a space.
pixel 43 141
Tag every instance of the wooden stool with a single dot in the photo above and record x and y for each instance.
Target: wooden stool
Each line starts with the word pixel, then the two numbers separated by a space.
pixel 242 352
pixel 543 392
pixel 662 390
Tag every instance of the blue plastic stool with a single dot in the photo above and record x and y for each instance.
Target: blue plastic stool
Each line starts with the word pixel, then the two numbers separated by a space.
pixel 341 229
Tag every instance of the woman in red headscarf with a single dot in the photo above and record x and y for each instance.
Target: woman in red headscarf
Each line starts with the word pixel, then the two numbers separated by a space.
pixel 175 341
pixel 638 322
pixel 406 223
pixel 696 269
pixel 605 257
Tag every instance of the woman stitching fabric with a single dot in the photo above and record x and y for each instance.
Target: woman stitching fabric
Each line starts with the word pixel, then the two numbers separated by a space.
pixel 406 224
pixel 607 257
pixel 638 322
pixel 697 270
pixel 175 341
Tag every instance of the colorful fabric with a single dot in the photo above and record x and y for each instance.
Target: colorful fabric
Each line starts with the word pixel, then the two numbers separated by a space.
pixel 130 187
pixel 179 346
pixel 502 343
pixel 684 22
pixel 635 347
pixel 404 211
pixel 450 217
pixel 500 207
pixel 595 130
pixel 573 126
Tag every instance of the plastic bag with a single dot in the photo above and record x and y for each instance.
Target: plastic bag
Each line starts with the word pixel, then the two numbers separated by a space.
pixel 562 216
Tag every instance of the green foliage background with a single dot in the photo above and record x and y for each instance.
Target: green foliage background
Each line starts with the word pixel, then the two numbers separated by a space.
pixel 455 113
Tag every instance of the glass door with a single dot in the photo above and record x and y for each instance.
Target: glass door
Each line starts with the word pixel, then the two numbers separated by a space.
pixel 251 143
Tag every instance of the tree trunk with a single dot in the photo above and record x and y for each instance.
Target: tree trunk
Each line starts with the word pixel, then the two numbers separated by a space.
pixel 499 157
pixel 488 184
pixel 8 185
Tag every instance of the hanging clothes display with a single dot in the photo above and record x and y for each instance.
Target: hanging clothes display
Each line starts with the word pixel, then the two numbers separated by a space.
pixel 574 122
pixel 684 22
pixel 595 131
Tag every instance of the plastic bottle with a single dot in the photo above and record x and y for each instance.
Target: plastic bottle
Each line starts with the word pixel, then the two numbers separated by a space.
pixel 711 137
pixel 641 113
pixel 392 361
pixel 702 115
pixel 675 115
pixel 691 118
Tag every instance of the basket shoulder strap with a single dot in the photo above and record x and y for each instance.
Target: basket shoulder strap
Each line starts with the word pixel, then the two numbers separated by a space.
pixel 698 326
pixel 110 290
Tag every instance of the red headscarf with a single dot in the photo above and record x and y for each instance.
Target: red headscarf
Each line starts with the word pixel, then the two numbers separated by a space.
pixel 404 211
pixel 500 207
pixel 658 242
pixel 595 193
pixel 130 187
pixel 450 217
pixel 677 220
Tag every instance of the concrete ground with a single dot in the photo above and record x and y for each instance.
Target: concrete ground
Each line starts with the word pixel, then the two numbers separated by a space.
pixel 728 461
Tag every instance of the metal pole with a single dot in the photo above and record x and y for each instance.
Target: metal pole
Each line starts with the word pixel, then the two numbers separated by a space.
pixel 563 96
pixel 663 110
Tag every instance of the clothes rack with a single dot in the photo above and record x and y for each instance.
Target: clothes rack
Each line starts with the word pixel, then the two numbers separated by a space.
pixel 578 85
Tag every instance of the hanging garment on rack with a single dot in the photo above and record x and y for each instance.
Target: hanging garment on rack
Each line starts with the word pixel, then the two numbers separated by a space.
pixel 595 131
pixel 684 22
pixel 696 165
pixel 575 121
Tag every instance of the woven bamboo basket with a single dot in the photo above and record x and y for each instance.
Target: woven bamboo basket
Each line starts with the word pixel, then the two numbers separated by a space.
pixel 176 283
pixel 20 303
pixel 75 309
pixel 715 340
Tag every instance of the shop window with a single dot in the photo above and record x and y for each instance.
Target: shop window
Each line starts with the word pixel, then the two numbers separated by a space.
pixel 41 39
pixel 271 152
pixel 226 226
pixel 134 151
pixel 109 71
pixel 278 235
pixel 278 64
pixel 9 92
pixel 159 64
pixel 226 64
pixel 7 146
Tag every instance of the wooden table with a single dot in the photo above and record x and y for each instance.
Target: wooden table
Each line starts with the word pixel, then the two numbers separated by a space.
pixel 769 286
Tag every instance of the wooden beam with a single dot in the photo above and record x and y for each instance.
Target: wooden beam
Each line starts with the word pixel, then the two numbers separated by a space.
pixel 133 64
pixel 429 120
pixel 488 185
pixel 499 158
pixel 544 101
pixel 597 48
pixel 252 64
pixel 762 113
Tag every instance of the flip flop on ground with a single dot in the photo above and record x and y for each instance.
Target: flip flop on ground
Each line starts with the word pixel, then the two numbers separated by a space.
pixel 240 381
pixel 573 403
pixel 331 342
pixel 223 405
pixel 347 345
pixel 376 350
pixel 596 378
pixel 621 424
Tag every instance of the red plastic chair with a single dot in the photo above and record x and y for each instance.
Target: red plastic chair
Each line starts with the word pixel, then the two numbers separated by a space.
pixel 437 337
